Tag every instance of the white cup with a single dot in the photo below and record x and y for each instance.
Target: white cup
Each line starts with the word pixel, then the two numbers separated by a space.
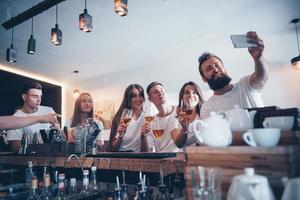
pixel 285 123
pixel 264 137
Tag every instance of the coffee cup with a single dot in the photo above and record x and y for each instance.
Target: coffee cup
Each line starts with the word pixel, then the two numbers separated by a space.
pixel 285 123
pixel 264 137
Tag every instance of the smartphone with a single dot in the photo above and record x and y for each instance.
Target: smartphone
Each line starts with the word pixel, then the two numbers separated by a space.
pixel 241 41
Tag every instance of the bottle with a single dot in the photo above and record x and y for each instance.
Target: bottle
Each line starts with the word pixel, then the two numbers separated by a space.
pixel 54 187
pixel 213 187
pixel 46 194
pixel 162 195
pixel 72 189
pixel 94 188
pixel 85 187
pixel 61 188
pixel 29 174
pixel 33 193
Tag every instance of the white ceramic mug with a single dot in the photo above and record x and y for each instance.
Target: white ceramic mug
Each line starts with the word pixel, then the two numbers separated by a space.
pixel 285 123
pixel 264 137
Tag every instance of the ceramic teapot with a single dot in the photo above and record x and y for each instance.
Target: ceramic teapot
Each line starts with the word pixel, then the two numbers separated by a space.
pixel 241 120
pixel 213 131
pixel 250 186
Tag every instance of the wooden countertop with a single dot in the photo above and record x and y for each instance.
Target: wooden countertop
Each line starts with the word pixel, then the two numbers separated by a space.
pixel 169 165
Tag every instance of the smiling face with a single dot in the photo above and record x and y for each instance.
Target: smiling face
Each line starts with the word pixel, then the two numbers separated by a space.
pixel 157 95
pixel 213 72
pixel 86 103
pixel 32 99
pixel 190 94
pixel 137 99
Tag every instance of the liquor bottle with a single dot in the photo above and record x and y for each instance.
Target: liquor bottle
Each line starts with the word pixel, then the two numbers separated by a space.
pixel 29 173
pixel 54 178
pixel 85 187
pixel 162 195
pixel 72 189
pixel 46 194
pixel 94 187
pixel 33 193
pixel 61 188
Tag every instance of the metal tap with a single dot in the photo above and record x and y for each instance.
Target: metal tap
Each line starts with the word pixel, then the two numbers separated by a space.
pixel 77 158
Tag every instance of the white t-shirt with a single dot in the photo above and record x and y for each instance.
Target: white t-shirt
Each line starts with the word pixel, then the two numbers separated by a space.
pixel 168 123
pixel 132 138
pixel 241 94
pixel 16 134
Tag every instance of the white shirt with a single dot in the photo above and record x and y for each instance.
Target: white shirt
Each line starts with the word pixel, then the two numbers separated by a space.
pixel 16 134
pixel 241 94
pixel 167 123
pixel 131 140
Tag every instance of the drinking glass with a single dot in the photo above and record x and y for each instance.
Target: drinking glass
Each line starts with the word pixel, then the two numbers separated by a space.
pixel 126 115
pixel 188 109
pixel 149 114
pixel 157 131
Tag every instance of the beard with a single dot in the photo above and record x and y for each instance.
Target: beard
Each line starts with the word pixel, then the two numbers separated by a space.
pixel 218 82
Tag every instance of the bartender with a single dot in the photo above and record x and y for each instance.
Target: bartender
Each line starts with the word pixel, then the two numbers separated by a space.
pixel 31 95
pixel 246 93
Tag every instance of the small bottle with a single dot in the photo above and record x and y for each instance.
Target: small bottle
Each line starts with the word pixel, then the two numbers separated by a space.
pixel 72 189
pixel 61 188
pixel 29 174
pixel 54 187
pixel 162 195
pixel 85 187
pixel 33 193
pixel 94 187
pixel 46 194
pixel 94 148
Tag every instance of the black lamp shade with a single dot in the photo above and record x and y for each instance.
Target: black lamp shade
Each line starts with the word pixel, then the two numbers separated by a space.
pixel 11 54
pixel 56 35
pixel 296 62
pixel 31 45
pixel 85 22
pixel 121 7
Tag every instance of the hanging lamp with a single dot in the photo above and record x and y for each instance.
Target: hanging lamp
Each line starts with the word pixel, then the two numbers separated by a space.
pixel 56 33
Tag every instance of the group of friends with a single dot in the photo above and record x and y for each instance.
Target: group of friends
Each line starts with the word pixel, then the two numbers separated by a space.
pixel 174 120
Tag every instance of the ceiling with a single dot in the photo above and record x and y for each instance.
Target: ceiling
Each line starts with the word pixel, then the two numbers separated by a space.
pixel 154 32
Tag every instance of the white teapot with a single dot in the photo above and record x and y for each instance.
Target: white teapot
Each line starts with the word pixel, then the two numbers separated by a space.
pixel 241 120
pixel 213 131
pixel 250 186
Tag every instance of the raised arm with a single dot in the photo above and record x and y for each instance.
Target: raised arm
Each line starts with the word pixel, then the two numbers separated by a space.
pixel 261 73
pixel 13 122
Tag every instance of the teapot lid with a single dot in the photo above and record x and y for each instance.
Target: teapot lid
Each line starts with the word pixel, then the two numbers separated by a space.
pixel 249 171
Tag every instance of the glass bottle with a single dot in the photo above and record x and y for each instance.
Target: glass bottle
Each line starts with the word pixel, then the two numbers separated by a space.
pixel 213 187
pixel 162 195
pixel 94 187
pixel 72 189
pixel 29 174
pixel 85 187
pixel 46 194
pixel 54 187
pixel 33 193
pixel 61 188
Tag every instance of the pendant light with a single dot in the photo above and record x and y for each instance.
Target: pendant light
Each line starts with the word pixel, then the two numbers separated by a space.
pixel 296 60
pixel 85 20
pixel 56 33
pixel 31 41
pixel 121 7
pixel 76 91
pixel 11 53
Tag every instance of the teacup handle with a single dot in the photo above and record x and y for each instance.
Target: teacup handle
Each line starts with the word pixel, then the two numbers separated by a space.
pixel 196 131
pixel 249 139
pixel 266 124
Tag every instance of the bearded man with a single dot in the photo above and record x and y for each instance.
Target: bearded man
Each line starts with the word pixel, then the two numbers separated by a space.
pixel 246 93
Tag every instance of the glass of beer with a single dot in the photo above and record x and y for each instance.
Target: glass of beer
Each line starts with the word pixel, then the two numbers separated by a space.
pixel 126 115
pixel 188 109
pixel 157 131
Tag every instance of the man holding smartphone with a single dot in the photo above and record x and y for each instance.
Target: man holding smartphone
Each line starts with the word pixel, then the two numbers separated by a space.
pixel 246 93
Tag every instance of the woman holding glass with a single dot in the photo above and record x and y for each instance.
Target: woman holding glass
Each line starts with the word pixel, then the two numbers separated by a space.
pixel 128 131
pixel 190 101
pixel 83 114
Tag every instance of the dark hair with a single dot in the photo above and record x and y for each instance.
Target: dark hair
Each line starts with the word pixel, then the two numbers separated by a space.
pixel 205 56
pixel 198 91
pixel 126 103
pixel 31 85
pixel 151 85
pixel 77 114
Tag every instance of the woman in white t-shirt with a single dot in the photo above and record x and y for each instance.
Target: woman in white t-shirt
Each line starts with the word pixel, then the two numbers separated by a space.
pixel 190 94
pixel 83 111
pixel 131 136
